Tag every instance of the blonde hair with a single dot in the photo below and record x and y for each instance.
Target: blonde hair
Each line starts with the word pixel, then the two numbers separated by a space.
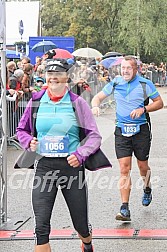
pixel 11 64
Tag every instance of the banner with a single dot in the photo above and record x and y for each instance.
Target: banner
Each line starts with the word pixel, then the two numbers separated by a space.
pixel 2 21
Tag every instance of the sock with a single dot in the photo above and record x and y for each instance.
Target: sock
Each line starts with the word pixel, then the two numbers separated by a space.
pixel 88 246
pixel 147 190
pixel 125 205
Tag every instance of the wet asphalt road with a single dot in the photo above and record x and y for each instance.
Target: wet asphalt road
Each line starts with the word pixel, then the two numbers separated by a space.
pixel 104 198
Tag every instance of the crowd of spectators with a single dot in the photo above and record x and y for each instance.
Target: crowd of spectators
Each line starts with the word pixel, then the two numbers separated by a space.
pixel 24 77
pixel 156 73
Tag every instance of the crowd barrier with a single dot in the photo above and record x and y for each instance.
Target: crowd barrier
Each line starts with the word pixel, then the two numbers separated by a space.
pixel 157 77
pixel 88 94
pixel 15 109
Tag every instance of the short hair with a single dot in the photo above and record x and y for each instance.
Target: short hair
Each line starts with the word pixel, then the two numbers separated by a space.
pixel 41 68
pixel 11 64
pixel 132 59
pixel 18 73
pixel 28 60
pixel 28 67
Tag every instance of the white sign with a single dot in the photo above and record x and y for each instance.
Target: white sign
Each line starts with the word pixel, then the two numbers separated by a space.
pixel 28 12
pixel 2 21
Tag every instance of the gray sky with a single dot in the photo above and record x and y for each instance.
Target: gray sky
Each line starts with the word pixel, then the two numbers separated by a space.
pixel 27 12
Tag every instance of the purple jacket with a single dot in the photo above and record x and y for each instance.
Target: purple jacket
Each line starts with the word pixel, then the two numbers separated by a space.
pixel 85 118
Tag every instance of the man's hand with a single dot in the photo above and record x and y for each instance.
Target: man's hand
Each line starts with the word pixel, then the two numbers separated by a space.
pixel 96 111
pixel 136 113
pixel 73 161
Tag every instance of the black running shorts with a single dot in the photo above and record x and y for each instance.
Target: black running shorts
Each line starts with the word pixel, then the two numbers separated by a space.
pixel 138 144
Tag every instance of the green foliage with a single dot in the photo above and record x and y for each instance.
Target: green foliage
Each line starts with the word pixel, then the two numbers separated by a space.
pixel 144 28
pixel 127 26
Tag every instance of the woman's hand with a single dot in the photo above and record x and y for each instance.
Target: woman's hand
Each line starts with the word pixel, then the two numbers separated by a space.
pixel 73 161
pixel 20 93
pixel 33 144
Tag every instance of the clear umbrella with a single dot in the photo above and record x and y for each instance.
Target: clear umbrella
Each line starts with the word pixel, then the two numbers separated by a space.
pixel 87 52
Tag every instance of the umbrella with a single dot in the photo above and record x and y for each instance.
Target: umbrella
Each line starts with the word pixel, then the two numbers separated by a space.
pixel 43 46
pixel 62 54
pixel 87 52
pixel 108 61
pixel 119 60
pixel 112 54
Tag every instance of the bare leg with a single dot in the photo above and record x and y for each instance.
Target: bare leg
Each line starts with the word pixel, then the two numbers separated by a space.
pixel 87 239
pixel 43 248
pixel 145 172
pixel 125 179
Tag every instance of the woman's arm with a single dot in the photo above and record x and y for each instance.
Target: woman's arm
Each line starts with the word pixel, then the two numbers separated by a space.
pixel 24 129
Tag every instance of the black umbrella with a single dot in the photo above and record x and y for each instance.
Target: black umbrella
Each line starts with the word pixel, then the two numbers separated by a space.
pixel 44 46
pixel 111 54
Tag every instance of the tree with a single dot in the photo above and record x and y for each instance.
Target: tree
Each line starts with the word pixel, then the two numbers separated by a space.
pixel 53 18
pixel 143 27
pixel 127 26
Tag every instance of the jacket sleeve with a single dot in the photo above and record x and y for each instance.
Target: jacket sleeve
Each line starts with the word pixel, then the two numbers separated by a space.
pixel 92 140
pixel 24 129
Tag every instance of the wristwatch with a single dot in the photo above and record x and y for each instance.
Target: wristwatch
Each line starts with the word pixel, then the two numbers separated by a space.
pixel 145 110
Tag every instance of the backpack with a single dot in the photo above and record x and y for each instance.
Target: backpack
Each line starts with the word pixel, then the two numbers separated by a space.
pixel 146 101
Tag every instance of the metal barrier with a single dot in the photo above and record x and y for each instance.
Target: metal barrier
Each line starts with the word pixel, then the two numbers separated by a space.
pixel 88 94
pixel 109 102
pixel 15 111
pixel 149 75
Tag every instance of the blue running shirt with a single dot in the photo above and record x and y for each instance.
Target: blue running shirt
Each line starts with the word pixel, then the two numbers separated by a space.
pixel 129 96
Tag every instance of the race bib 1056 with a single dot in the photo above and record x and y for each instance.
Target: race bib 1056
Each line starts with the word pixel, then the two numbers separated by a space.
pixel 54 146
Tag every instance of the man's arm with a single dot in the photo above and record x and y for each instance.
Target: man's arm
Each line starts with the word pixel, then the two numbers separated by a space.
pixel 97 99
pixel 155 105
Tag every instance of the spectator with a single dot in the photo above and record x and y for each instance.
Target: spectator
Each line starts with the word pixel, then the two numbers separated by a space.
pixel 38 61
pixel 27 84
pixel 11 67
pixel 25 60
pixel 15 81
